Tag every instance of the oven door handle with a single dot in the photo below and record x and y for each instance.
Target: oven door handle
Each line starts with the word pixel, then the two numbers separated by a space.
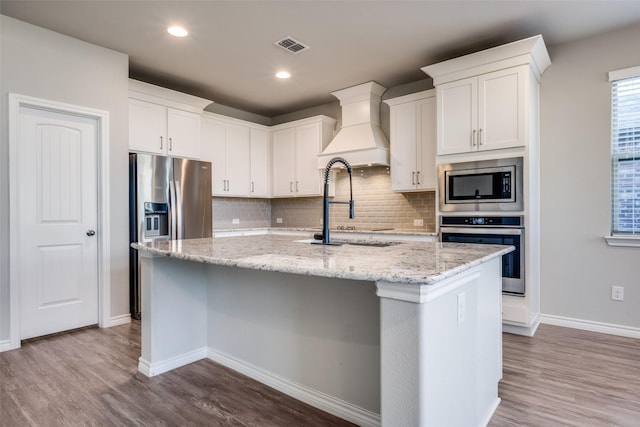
pixel 487 230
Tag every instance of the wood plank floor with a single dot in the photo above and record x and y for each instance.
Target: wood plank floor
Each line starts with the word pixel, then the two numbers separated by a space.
pixel 89 378
pixel 569 377
pixel 561 377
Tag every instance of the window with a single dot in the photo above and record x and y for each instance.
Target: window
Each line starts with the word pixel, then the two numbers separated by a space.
pixel 625 152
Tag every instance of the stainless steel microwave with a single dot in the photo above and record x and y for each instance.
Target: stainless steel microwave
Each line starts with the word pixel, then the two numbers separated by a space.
pixel 488 185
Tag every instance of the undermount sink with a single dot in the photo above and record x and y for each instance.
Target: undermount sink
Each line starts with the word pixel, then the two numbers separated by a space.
pixel 373 243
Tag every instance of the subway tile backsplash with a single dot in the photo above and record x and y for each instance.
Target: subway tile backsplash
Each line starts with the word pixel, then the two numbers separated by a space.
pixel 249 213
pixel 376 207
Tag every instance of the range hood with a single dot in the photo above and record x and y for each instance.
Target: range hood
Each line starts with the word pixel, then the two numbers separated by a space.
pixel 360 141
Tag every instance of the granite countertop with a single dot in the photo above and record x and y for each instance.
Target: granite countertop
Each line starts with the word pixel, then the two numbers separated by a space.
pixel 402 262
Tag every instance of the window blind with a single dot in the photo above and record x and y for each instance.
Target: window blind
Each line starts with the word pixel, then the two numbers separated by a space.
pixel 625 152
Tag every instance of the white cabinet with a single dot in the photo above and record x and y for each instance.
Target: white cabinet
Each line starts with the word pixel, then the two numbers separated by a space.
pixel 164 122
pixel 486 112
pixel 488 108
pixel 238 152
pixel 296 147
pixel 260 160
pixel 413 141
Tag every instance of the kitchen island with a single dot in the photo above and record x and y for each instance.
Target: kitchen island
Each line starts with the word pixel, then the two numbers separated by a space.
pixel 407 333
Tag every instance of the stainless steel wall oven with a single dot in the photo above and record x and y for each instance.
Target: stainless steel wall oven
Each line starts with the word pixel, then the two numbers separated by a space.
pixel 497 230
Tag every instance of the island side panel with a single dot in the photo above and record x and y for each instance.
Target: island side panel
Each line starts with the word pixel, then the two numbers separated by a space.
pixel 440 350
pixel 319 333
pixel 174 313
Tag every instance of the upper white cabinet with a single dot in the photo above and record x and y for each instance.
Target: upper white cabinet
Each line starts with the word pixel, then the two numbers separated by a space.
pixel 260 160
pixel 413 141
pixel 485 100
pixel 163 121
pixel 296 146
pixel 239 154
pixel 483 113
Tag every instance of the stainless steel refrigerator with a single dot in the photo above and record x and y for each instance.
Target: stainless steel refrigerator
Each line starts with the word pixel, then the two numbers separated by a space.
pixel 169 198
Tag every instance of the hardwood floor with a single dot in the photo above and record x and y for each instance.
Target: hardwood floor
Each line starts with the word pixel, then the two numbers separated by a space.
pixel 560 377
pixel 89 378
pixel 569 377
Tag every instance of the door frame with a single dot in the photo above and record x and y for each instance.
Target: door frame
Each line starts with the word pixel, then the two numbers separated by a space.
pixel 16 101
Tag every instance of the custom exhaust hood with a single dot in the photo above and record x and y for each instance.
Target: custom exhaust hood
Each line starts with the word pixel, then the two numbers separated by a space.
pixel 360 140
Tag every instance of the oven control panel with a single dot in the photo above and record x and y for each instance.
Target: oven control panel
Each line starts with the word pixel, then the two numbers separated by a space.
pixel 484 221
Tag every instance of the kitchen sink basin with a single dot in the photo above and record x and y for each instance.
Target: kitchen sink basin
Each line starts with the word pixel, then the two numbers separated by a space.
pixel 372 243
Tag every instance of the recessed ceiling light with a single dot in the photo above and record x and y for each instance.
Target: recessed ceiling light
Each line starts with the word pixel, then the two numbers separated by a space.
pixel 177 31
pixel 283 75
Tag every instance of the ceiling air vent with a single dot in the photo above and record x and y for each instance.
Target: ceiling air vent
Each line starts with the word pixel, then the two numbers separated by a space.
pixel 291 45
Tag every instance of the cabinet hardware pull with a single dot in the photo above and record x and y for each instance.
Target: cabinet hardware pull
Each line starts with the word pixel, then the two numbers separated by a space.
pixel 252 187
pixel 480 136
pixel 170 144
pixel 418 176
pixel 473 138
pixel 291 186
pixel 227 185
pixel 413 178
pixel 297 187
pixel 91 233
pixel 161 143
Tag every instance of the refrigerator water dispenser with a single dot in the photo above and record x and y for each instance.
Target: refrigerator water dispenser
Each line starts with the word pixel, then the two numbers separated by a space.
pixel 156 220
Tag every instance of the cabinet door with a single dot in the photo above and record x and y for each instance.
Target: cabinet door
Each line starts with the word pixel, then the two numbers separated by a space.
pixel 214 151
pixel 238 163
pixel 282 163
pixel 426 147
pixel 147 125
pixel 501 113
pixel 259 163
pixel 457 116
pixel 307 148
pixel 183 132
pixel 403 146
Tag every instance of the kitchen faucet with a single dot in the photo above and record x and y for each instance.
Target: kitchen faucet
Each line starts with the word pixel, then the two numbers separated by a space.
pixel 326 239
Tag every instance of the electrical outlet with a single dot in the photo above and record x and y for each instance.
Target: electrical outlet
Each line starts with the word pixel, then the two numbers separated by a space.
pixel 462 307
pixel 278 220
pixel 418 222
pixel 617 293
pixel 235 221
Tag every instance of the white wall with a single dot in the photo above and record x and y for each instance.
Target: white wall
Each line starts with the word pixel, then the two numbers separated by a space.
pixel 577 266
pixel 43 64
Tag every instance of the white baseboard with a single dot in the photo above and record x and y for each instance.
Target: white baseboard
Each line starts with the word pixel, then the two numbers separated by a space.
pixel 123 319
pixel 325 402
pixel 5 345
pixel 157 368
pixel 588 325
pixel 491 412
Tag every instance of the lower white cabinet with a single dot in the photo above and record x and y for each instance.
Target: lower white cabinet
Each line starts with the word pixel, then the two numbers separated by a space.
pixel 238 153
pixel 296 146
pixel 413 141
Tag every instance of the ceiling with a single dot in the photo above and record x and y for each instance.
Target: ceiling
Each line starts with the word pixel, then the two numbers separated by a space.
pixel 229 56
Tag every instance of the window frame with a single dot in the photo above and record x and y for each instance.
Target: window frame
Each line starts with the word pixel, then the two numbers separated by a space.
pixel 621 238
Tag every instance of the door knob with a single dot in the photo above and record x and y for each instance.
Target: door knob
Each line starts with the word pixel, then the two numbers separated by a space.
pixel 91 232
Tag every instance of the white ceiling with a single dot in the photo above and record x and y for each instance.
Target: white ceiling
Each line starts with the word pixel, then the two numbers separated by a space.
pixel 230 58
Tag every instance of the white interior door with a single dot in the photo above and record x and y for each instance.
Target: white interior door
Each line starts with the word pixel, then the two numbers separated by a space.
pixel 57 211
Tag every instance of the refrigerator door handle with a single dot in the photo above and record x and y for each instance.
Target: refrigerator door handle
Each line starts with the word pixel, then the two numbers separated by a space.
pixel 173 208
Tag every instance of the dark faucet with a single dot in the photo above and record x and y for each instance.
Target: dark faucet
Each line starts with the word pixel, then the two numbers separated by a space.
pixel 326 240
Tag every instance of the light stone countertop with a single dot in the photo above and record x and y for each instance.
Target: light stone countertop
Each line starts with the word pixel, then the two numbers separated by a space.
pixel 404 262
